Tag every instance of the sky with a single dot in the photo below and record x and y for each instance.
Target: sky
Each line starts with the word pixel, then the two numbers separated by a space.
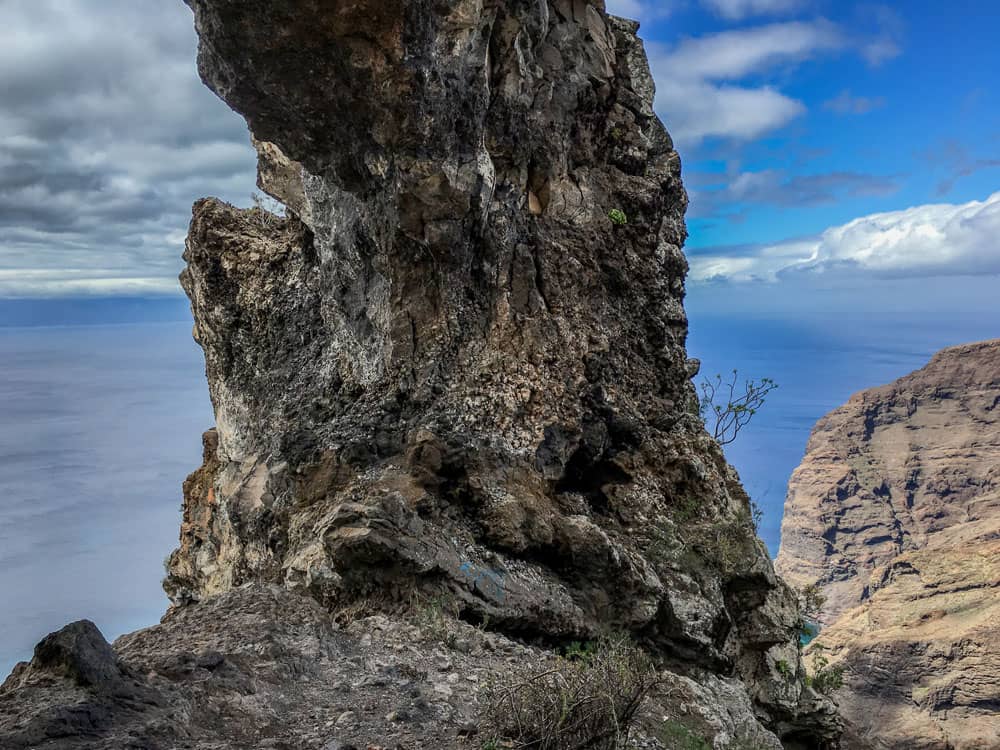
pixel 828 145
pixel 847 151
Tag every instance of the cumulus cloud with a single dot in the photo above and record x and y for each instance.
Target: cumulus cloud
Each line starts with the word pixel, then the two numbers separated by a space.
pixel 847 104
pixel 736 54
pixel 735 10
pixel 699 93
pixel 106 138
pixel 929 240
pixel 884 42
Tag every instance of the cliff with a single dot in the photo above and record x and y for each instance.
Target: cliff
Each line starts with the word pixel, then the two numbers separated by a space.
pixel 895 514
pixel 454 376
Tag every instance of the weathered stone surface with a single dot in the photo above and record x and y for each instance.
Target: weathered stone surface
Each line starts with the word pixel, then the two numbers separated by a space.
pixel 265 667
pixel 448 375
pixel 895 513
pixel 261 667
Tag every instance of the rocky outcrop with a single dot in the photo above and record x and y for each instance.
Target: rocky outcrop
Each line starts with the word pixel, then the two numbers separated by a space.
pixel 895 514
pixel 456 371
pixel 264 667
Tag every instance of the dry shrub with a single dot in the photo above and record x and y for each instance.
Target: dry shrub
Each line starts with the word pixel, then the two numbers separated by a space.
pixel 584 703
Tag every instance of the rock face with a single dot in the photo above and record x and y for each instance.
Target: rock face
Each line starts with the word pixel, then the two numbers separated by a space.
pixel 895 514
pixel 456 371
pixel 264 667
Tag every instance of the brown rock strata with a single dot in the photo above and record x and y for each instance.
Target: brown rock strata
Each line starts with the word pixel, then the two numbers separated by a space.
pixel 895 514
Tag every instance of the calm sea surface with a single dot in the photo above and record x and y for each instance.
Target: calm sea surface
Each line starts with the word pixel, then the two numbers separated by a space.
pixel 99 425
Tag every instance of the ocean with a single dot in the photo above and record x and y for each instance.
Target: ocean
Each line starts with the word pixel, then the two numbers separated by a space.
pixel 99 425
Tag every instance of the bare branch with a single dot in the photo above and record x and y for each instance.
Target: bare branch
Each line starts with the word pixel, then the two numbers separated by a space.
pixel 731 406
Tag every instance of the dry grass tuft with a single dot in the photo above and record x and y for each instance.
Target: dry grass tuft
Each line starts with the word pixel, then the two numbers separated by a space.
pixel 584 703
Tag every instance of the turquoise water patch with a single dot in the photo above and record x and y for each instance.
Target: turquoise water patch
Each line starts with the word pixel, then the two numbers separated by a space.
pixel 808 633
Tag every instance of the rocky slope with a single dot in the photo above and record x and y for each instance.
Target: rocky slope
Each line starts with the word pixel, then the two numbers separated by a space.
pixel 456 372
pixel 895 514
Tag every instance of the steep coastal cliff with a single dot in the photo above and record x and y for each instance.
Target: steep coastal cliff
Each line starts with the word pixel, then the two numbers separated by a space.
pixel 454 376
pixel 895 514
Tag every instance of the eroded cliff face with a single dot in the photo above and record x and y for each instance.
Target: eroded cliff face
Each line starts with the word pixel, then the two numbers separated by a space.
pixel 895 514
pixel 456 372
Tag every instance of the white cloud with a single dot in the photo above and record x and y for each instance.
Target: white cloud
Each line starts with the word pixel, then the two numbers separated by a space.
pixel 929 240
pixel 81 282
pixel 884 42
pixel 878 51
pixel 735 54
pixel 735 10
pixel 694 110
pixel 698 94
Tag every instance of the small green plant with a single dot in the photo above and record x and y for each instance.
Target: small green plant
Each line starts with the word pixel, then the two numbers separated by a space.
pixel 751 516
pixel 729 407
pixel 618 217
pixel 580 703
pixel 688 508
pixel 811 600
pixel 490 745
pixel 824 678
pixel 617 134
pixel 579 651
pixel 663 544
pixel 783 668
pixel 676 736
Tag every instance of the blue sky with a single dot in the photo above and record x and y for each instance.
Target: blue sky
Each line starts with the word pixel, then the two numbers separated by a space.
pixel 830 148
pixel 797 117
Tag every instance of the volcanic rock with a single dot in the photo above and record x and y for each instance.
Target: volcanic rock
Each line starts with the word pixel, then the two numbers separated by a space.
pixel 454 375
pixel 895 514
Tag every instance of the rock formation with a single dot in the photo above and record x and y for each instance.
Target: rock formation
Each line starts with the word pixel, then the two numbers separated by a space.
pixel 456 371
pixel 895 514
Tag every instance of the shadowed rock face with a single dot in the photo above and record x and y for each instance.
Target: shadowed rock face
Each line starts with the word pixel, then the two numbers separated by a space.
pixel 448 375
pixel 449 372
pixel 895 514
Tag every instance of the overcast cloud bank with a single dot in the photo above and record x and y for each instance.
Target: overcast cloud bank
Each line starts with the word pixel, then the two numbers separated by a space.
pixel 107 136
